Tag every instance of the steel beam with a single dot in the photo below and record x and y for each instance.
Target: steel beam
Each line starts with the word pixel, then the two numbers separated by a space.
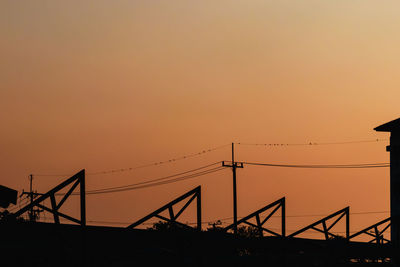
pixel 78 178
pixel 195 193
pixel 341 213
pixel 279 204
pixel 377 234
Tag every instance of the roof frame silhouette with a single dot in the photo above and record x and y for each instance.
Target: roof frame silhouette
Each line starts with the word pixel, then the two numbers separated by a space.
pixel 377 234
pixel 325 228
pixel 191 195
pixel 390 126
pixel 77 179
pixel 279 204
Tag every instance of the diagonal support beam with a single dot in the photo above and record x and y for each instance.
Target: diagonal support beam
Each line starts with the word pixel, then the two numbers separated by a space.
pixel 270 215
pixel 336 221
pixel 65 197
pixel 171 221
pixel 323 232
pixel 276 205
pixel 262 228
pixel 59 214
pixel 185 206
pixel 377 235
pixel 78 178
pixel 323 221
pixel 195 193
pixel 54 207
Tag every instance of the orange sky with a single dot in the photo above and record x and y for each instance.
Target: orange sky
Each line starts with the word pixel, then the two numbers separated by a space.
pixel 123 83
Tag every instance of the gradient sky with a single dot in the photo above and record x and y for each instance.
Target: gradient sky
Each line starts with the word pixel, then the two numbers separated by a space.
pixel 114 84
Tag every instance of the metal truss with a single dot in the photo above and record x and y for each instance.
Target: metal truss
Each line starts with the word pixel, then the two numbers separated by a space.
pixel 279 204
pixel 325 228
pixel 374 232
pixel 77 179
pixel 195 193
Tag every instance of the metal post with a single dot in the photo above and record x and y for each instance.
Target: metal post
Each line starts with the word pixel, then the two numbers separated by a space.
pixel 348 224
pixel 31 214
pixel 234 190
pixel 395 187
pixel 83 216
pixel 394 128
pixel 283 215
pixel 83 199
pixel 199 210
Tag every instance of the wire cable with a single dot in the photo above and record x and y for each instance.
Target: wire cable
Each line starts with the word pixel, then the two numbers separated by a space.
pixel 204 151
pixel 128 188
pixel 193 173
pixel 159 179
pixel 313 143
pixel 191 155
pixel 321 166
pixel 230 218
pixel 20 203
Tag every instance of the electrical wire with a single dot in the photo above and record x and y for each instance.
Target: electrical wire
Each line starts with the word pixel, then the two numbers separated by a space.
pixel 321 166
pixel 191 155
pixel 161 178
pixel 203 223
pixel 204 151
pixel 129 188
pixel 230 218
pixel 19 204
pixel 314 215
pixel 193 173
pixel 313 143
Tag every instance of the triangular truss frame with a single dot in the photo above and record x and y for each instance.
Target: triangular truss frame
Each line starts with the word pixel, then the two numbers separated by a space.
pixel 374 232
pixel 279 204
pixel 325 228
pixel 191 195
pixel 77 179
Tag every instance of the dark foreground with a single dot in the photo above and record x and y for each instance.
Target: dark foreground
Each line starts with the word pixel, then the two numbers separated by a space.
pixel 44 244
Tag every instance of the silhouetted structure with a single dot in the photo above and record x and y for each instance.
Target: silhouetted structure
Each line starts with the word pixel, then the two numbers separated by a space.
pixel 279 204
pixel 234 166
pixel 173 241
pixel 394 148
pixel 7 196
pixel 377 233
pixel 193 194
pixel 77 179
pixel 325 228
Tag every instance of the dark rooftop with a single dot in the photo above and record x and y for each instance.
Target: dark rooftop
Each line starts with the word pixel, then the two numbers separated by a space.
pixel 7 196
pixel 391 126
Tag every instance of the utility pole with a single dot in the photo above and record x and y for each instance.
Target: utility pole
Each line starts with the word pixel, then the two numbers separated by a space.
pixel 234 166
pixel 33 213
pixel 394 148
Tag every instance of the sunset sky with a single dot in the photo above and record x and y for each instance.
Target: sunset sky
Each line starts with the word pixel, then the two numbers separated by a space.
pixel 116 84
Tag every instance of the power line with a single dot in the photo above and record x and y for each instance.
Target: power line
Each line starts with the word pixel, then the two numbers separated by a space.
pixel 321 166
pixel 19 204
pixel 205 222
pixel 161 162
pixel 157 183
pixel 161 178
pixel 313 143
pixel 323 215
pixel 193 173
pixel 313 215
pixel 204 151
pixel 103 191
pixel 187 156
pixel 230 218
